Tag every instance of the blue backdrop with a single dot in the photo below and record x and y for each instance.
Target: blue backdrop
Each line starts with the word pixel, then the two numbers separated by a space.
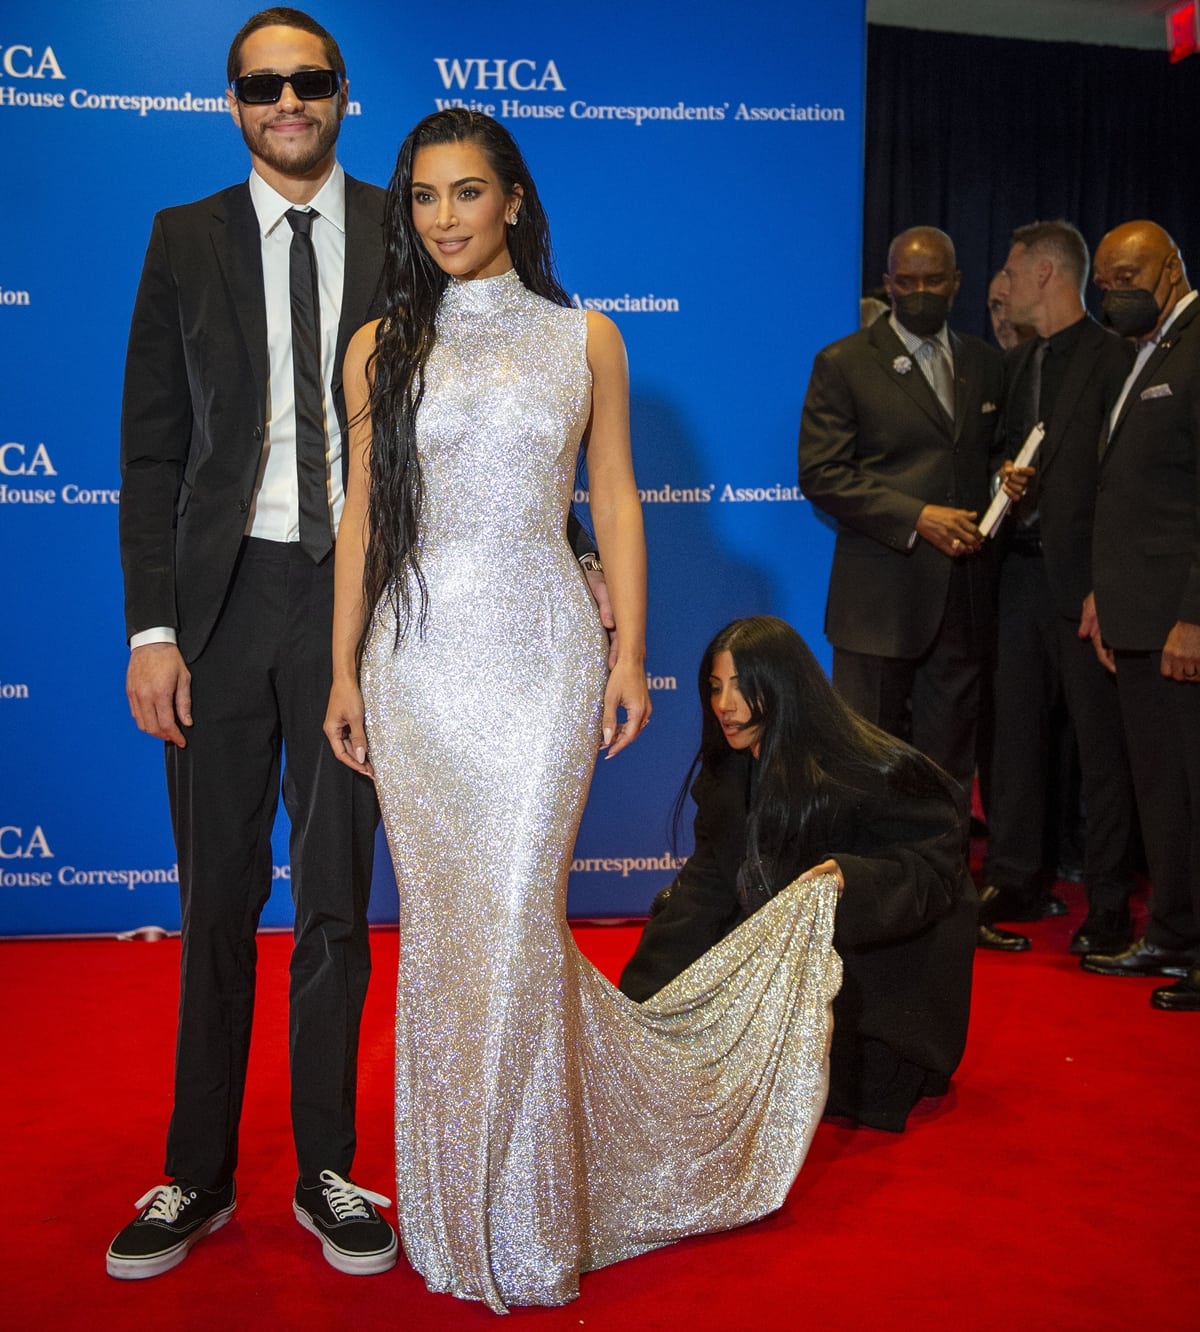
pixel 702 168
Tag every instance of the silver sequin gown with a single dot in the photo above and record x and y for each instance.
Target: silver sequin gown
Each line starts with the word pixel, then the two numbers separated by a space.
pixel 546 1124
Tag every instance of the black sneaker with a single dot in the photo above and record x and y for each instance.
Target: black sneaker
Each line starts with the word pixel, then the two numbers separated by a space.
pixel 175 1217
pixel 356 1239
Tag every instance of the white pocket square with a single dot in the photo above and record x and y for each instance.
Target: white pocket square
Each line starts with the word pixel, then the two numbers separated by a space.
pixel 1156 391
pixel 988 407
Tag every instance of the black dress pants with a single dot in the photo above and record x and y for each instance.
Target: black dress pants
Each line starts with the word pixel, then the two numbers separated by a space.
pixel 1039 657
pixel 932 701
pixel 1162 728
pixel 259 693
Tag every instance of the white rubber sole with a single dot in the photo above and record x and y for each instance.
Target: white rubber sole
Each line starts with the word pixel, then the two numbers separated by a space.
pixel 137 1269
pixel 353 1264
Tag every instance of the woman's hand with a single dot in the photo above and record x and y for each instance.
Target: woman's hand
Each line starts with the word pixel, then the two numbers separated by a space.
pixel 345 729
pixel 826 867
pixel 626 689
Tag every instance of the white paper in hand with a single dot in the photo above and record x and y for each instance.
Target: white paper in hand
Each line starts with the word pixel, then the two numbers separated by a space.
pixel 1000 500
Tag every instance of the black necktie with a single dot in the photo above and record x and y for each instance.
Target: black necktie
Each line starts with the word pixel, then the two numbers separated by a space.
pixel 1027 506
pixel 316 530
pixel 1035 381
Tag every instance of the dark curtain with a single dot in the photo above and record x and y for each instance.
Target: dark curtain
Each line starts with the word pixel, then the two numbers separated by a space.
pixel 978 135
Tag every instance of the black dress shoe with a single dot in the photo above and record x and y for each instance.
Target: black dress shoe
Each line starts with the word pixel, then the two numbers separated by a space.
pixel 1103 931
pixel 1141 959
pixel 1001 941
pixel 1182 997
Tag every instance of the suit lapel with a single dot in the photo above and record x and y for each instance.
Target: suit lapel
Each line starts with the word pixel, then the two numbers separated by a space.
pixel 1079 371
pixel 966 380
pixel 1016 361
pixel 238 248
pixel 1150 369
pixel 890 353
pixel 361 279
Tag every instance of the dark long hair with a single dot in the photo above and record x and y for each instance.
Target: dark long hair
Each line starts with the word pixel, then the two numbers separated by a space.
pixel 816 753
pixel 412 288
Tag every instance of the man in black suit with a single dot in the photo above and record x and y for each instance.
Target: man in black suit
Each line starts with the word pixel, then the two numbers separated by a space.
pixel 1146 570
pixel 898 445
pixel 1067 378
pixel 233 469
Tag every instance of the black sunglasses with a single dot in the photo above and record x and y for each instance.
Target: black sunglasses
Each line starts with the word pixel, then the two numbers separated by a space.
pixel 309 85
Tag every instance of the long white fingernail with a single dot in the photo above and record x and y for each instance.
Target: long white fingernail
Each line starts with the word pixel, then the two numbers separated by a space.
pixel 608 735
pixel 361 754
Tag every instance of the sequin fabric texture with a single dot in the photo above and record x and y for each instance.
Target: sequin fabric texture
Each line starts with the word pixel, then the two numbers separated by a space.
pixel 547 1125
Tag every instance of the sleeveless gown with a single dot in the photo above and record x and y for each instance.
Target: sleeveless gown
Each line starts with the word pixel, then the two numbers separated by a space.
pixel 546 1125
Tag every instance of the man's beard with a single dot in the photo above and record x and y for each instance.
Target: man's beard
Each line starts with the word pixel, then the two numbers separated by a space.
pixel 292 161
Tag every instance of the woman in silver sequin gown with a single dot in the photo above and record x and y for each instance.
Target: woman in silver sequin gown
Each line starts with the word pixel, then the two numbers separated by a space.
pixel 545 1124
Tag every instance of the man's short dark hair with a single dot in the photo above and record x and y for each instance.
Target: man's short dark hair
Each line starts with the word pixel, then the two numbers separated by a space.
pixel 1061 242
pixel 282 17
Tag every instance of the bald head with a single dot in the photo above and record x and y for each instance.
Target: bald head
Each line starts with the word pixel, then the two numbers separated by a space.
pixel 921 279
pixel 922 241
pixel 1140 256
pixel 1137 238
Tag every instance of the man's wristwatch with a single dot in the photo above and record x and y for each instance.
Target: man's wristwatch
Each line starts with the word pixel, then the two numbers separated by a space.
pixel 590 563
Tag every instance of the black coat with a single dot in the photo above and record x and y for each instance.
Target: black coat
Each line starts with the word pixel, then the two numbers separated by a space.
pixel 1069 458
pixel 875 448
pixel 195 405
pixel 1146 550
pixel 905 930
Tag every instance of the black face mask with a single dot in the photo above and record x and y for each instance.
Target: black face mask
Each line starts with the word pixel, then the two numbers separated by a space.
pixel 1132 313
pixel 922 312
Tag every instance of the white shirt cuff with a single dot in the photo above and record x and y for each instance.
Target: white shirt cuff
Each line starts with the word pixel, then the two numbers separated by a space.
pixel 164 634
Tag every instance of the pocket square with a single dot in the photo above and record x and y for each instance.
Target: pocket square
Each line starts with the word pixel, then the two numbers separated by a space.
pixel 1156 391
pixel 988 407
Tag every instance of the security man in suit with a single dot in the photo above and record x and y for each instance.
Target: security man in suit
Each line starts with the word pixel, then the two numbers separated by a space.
pixel 1067 378
pixel 232 467
pixel 1146 568
pixel 898 444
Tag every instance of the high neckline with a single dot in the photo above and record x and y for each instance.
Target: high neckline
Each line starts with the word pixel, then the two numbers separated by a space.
pixel 482 295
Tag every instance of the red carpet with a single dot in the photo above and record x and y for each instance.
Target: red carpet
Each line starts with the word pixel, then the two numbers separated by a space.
pixel 1055 1187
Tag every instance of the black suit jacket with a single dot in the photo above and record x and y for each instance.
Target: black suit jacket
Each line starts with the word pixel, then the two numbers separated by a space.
pixel 1146 545
pixel 905 925
pixel 195 400
pixel 875 448
pixel 1068 460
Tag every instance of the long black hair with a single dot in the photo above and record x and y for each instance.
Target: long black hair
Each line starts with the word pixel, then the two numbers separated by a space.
pixel 815 752
pixel 412 288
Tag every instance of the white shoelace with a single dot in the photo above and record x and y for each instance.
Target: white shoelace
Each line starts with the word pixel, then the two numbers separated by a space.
pixel 347 1201
pixel 167 1199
